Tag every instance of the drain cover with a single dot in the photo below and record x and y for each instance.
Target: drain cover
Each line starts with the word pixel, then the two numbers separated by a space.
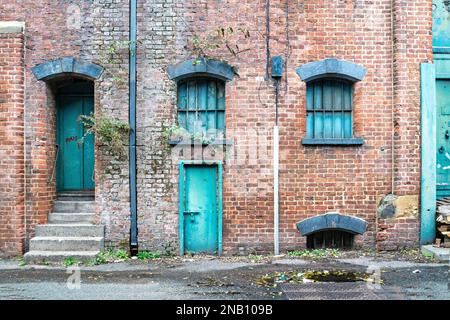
pixel 331 291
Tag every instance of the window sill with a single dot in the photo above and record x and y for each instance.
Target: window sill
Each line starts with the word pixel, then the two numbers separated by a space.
pixel 333 142
pixel 198 143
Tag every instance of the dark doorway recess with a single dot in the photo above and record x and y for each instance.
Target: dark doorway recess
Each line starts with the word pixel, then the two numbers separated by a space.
pixel 333 239
pixel 75 160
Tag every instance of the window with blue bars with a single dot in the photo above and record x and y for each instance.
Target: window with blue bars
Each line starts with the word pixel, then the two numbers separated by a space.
pixel 201 106
pixel 329 109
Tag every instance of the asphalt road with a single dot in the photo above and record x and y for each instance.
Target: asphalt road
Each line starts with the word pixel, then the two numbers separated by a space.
pixel 222 280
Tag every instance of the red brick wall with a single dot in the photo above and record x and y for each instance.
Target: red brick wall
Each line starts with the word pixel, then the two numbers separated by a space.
pixel 316 180
pixel 313 180
pixel 50 33
pixel 397 234
pixel 412 23
pixel 12 191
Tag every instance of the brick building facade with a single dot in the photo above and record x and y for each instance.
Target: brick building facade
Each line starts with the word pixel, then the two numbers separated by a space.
pixel 377 179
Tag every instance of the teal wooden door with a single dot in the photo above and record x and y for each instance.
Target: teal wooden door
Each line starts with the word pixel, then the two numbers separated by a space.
pixel 75 163
pixel 200 209
pixel 443 138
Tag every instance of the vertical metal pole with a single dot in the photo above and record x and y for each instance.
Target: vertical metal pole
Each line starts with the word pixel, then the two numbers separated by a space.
pixel 276 169
pixel 220 227
pixel 132 120
pixel 276 241
pixel 181 207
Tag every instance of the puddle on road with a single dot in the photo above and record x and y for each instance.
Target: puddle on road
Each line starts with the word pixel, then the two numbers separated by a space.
pixel 336 276
pixel 276 278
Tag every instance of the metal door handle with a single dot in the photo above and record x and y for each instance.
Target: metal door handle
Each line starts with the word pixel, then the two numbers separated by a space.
pixel 441 149
pixel 192 214
pixel 447 135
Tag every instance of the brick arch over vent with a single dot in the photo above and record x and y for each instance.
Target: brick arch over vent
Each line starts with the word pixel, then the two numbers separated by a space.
pixel 332 221
pixel 201 67
pixel 67 66
pixel 332 68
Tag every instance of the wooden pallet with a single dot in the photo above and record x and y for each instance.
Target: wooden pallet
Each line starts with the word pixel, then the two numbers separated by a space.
pixel 443 222
pixel 443 202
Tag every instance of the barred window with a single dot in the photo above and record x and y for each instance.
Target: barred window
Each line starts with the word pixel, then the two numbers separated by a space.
pixel 329 109
pixel 201 106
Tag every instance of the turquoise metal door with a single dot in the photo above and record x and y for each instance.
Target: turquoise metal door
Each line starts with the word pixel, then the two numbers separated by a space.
pixel 75 163
pixel 443 138
pixel 200 209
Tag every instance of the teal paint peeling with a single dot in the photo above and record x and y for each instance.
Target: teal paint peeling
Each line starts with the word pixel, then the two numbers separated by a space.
pixel 201 107
pixel 195 235
pixel 428 153
pixel 200 215
pixel 441 24
pixel 75 163
pixel 329 109
pixel 442 67
pixel 443 137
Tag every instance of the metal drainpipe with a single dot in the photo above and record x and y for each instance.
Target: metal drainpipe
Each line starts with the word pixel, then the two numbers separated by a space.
pixel 276 75
pixel 393 71
pixel 276 169
pixel 132 120
pixel 25 193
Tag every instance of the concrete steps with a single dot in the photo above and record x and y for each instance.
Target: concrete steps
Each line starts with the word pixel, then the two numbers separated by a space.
pixel 66 243
pixel 71 218
pixel 76 196
pixel 63 206
pixel 69 230
pixel 38 257
pixel 70 233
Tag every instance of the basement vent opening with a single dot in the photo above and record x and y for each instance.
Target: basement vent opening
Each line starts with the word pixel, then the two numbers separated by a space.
pixel 330 239
pixel 331 230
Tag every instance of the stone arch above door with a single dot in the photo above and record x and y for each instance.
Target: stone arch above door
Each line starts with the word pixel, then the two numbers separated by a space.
pixel 67 66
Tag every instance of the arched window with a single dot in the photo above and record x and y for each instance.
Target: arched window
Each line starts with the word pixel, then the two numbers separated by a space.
pixel 329 101
pixel 329 109
pixel 201 105
pixel 201 95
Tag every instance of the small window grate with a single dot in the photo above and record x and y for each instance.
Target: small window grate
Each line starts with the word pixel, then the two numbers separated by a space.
pixel 201 105
pixel 330 239
pixel 329 109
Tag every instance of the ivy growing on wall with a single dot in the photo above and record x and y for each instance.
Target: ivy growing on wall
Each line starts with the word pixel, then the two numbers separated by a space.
pixel 177 133
pixel 214 44
pixel 108 57
pixel 109 131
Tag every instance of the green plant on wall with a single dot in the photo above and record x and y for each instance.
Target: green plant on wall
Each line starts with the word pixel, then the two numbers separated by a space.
pixel 109 131
pixel 178 133
pixel 109 57
pixel 213 45
pixel 222 38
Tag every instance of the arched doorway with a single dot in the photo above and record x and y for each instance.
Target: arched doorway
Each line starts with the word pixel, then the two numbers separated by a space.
pixel 75 160
pixel 72 84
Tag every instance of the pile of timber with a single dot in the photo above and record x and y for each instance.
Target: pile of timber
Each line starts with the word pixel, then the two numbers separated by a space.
pixel 443 223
